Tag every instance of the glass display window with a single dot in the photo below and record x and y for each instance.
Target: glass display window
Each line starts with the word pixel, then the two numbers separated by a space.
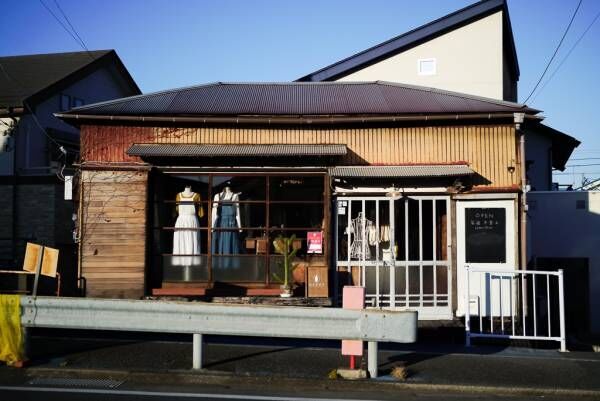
pixel 227 232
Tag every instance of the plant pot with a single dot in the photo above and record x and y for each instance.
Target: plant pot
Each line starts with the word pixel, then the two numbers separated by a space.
pixel 286 292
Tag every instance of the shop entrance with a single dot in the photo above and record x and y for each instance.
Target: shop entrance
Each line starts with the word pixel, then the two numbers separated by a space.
pixel 398 248
pixel 485 240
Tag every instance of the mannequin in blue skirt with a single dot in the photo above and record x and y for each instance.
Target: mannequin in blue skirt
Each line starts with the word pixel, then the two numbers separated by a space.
pixel 226 214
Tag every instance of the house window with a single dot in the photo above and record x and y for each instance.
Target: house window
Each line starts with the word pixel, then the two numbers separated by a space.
pixel 238 218
pixel 427 66
pixel 77 102
pixel 65 102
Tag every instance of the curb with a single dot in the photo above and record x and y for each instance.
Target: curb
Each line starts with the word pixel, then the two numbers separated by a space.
pixel 218 377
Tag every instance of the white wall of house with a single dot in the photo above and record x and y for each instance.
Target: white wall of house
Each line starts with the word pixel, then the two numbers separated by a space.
pixel 468 60
pixel 559 229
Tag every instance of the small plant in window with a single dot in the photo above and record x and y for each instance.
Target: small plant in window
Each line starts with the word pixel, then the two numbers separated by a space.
pixel 284 246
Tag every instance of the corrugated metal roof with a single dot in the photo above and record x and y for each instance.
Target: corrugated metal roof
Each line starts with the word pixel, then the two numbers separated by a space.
pixel 432 170
pixel 300 99
pixel 200 150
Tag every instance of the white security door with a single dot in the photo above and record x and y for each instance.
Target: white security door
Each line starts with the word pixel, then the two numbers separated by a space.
pixel 485 233
pixel 398 248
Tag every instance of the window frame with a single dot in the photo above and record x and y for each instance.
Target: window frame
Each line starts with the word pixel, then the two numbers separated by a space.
pixel 269 232
pixel 432 60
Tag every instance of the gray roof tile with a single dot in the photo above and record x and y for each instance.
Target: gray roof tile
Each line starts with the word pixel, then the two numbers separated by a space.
pixel 408 171
pixel 300 98
pixel 200 150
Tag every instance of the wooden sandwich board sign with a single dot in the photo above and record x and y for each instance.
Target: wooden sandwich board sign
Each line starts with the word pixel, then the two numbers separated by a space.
pixel 40 260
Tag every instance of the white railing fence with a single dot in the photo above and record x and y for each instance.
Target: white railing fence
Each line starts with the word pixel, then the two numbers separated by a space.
pixel 515 304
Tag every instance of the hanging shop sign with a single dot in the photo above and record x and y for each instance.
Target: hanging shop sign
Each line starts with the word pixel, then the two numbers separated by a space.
pixel 314 241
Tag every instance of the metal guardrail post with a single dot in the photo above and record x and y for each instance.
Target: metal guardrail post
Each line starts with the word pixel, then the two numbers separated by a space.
pixel 368 325
pixel 467 309
pixel 372 351
pixel 561 306
pixel 198 351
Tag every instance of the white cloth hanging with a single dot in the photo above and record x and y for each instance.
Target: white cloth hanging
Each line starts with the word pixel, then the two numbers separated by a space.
pixel 360 227
pixel 186 242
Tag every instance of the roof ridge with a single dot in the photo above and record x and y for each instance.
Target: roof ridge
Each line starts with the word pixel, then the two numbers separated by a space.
pixel 215 83
pixel 452 93
pixel 493 4
pixel 215 98
pixel 143 95
pixel 57 54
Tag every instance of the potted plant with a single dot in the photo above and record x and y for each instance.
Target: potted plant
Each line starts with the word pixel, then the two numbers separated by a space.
pixel 284 246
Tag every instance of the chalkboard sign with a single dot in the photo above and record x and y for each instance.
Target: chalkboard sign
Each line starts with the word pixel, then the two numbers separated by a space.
pixel 485 231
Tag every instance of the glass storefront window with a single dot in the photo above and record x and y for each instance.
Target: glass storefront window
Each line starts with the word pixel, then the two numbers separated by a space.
pixel 296 188
pixel 231 224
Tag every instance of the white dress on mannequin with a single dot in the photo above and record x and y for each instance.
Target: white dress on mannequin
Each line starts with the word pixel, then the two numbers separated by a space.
pixel 187 242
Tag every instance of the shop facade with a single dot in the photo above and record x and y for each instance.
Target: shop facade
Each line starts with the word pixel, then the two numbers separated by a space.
pixel 398 203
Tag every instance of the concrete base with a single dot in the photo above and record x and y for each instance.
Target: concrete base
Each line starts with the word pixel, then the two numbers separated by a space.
pixel 352 374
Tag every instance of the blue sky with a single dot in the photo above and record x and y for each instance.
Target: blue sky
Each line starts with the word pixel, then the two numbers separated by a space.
pixel 167 44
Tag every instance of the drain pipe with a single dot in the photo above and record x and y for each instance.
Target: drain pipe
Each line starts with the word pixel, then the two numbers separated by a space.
pixel 518 120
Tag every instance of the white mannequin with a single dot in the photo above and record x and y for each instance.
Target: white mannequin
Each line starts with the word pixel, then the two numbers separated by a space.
pixel 226 195
pixel 186 238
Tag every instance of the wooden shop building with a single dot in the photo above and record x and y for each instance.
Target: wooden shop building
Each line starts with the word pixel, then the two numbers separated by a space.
pixel 389 186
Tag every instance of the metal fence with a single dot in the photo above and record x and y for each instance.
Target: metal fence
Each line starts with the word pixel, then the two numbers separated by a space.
pixel 515 304
pixel 414 275
pixel 372 326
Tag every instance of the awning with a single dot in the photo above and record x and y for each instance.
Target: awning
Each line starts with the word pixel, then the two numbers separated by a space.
pixel 200 150
pixel 413 171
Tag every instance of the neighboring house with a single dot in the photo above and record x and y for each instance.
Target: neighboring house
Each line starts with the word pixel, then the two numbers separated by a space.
pixel 389 174
pixel 565 234
pixel 470 51
pixel 32 88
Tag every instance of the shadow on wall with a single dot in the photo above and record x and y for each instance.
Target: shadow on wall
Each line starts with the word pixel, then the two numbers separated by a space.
pixel 564 229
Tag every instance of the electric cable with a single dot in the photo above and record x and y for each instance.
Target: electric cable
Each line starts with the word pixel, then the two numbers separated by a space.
pixel 583 165
pixel 80 43
pixel 61 148
pixel 567 56
pixel 555 51
pixel 71 25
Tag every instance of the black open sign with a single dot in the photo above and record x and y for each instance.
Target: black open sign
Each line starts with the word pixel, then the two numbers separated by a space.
pixel 485 235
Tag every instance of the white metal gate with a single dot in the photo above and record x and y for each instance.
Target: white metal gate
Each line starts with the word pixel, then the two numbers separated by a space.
pixel 515 304
pixel 398 248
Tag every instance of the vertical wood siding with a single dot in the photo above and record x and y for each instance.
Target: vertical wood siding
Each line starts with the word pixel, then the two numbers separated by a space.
pixel 489 149
pixel 114 233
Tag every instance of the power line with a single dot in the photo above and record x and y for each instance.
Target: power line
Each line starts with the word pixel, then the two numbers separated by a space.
pixel 75 38
pixel 579 173
pixel 583 165
pixel 71 25
pixel 7 75
pixel 555 51
pixel 568 54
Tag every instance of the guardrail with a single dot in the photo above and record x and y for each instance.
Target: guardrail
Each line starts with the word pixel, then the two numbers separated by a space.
pixel 515 304
pixel 198 319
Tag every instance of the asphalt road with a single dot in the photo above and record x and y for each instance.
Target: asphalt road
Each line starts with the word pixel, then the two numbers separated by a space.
pixel 140 368
pixel 26 393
